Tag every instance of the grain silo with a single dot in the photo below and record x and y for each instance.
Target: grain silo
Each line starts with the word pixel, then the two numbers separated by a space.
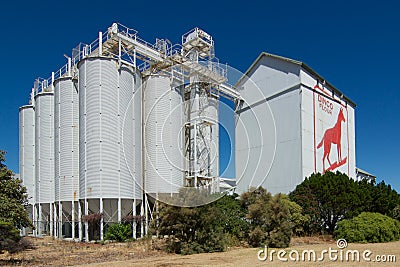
pixel 27 153
pixel 44 161
pixel 110 175
pixel 66 146
pixel 107 130
pixel 164 129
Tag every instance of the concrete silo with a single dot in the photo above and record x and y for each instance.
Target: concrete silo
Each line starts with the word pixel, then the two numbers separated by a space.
pixel 44 161
pixel 164 128
pixel 110 181
pixel 27 153
pixel 66 145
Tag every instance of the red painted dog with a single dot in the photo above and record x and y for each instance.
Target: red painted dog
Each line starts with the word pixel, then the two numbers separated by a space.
pixel 333 136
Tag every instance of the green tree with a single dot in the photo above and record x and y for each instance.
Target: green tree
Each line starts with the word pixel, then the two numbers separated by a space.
pixel 9 237
pixel 279 226
pixel 13 203
pixel 191 229
pixel 297 218
pixel 255 201
pixel 305 197
pixel 332 197
pixel 396 213
pixel 384 199
pixel 232 216
pixel 270 218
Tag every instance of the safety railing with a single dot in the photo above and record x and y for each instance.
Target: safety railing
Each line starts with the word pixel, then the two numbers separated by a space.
pixel 124 30
pixel 63 70
pixel 172 52
pixel 197 33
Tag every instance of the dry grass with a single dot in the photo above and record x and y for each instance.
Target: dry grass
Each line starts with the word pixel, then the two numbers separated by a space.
pixel 49 252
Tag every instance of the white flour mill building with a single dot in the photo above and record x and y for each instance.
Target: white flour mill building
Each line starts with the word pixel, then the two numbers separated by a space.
pixel 291 124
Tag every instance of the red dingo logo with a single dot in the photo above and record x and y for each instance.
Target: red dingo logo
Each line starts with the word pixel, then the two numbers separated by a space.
pixel 333 136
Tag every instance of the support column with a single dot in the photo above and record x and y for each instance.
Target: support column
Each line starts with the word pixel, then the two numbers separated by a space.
pixel 56 234
pixel 34 216
pixel 60 219
pixel 73 219
pixel 119 210
pixel 146 213
pixel 141 221
pixel 157 218
pixel 51 219
pixel 86 223
pixel 134 219
pixel 80 221
pixel 101 219
pixel 39 220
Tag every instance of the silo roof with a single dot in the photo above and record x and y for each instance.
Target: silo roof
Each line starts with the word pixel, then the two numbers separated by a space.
pixel 302 65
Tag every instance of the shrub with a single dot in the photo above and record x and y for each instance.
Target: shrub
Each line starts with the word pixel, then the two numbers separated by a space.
pixel 10 240
pixel 270 218
pixel 9 237
pixel 369 227
pixel 118 232
pixel 208 228
pixel 257 237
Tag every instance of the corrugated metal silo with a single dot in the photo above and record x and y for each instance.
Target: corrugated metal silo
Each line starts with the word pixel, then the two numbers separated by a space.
pixel 164 128
pixel 27 150
pixel 134 138
pixel 44 157
pixel 66 145
pixel 66 126
pixel 110 161
pixel 27 157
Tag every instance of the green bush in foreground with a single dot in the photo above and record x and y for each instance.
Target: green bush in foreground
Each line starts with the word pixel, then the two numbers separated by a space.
pixel 118 232
pixel 369 227
pixel 9 237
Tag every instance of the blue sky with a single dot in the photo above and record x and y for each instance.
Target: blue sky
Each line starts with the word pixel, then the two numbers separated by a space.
pixel 353 44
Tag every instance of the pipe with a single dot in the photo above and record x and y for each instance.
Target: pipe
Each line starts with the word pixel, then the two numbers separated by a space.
pixel 100 43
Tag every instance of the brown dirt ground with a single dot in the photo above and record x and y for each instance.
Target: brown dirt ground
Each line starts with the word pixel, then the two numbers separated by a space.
pixel 49 252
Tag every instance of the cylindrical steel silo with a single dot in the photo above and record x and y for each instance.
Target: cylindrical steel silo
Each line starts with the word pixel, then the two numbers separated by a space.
pixel 66 154
pixel 27 156
pixel 164 129
pixel 27 150
pixel 44 160
pixel 109 144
